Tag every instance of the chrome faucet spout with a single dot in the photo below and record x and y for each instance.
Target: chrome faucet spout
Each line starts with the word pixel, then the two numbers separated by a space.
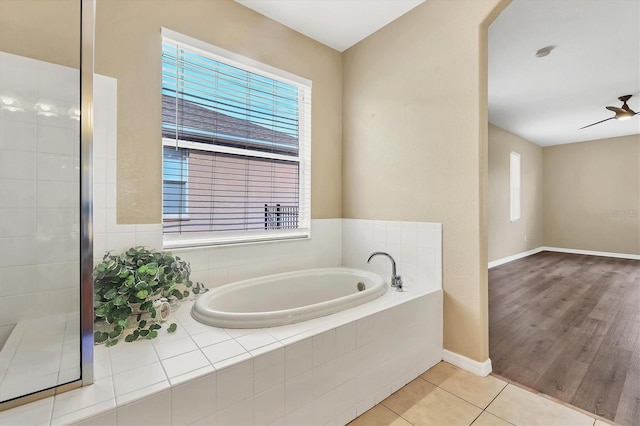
pixel 396 280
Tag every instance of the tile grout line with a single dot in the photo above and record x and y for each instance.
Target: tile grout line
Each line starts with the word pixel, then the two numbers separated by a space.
pixel 490 402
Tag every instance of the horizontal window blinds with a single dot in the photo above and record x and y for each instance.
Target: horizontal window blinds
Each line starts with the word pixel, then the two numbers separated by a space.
pixel 236 155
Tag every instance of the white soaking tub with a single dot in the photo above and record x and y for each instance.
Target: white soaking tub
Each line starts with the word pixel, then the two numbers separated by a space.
pixel 287 298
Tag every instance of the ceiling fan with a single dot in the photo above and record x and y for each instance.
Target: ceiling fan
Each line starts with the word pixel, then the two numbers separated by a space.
pixel 623 113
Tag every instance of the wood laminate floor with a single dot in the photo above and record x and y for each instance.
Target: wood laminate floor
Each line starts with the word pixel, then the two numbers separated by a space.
pixel 568 326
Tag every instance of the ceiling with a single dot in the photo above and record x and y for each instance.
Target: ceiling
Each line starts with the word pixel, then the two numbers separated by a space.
pixel 596 58
pixel 338 24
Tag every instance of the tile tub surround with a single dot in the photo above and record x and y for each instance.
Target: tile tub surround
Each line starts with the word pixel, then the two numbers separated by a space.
pixel 324 371
pixel 415 246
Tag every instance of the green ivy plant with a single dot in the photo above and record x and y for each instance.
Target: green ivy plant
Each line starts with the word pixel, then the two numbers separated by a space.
pixel 127 284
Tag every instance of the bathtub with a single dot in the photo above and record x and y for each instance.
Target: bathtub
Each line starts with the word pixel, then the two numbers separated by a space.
pixel 287 298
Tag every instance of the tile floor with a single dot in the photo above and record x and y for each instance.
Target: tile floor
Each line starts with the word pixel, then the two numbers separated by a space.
pixel 447 395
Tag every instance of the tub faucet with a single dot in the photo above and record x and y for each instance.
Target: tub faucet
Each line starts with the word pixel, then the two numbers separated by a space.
pixel 396 280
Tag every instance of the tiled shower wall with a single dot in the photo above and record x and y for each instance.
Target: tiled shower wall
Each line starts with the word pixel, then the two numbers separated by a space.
pixel 39 192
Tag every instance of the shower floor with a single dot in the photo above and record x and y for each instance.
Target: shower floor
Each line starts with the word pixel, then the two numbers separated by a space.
pixel 39 354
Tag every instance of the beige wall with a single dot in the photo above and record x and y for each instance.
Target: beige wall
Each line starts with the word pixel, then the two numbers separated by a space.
pixel 507 238
pixel 44 30
pixel 128 43
pixel 592 195
pixel 414 144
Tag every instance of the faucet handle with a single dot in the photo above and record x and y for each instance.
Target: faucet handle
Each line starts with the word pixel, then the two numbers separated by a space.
pixel 397 283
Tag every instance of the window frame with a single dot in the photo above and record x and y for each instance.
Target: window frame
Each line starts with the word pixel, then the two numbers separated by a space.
pixel 197 239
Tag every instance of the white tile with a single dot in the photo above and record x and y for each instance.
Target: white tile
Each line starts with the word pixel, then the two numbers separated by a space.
pixel 210 337
pixel 193 400
pixel 347 367
pixel 55 167
pixel 299 391
pixel 17 222
pixel 55 140
pixel 101 362
pixel 119 241
pixel 100 391
pixel 145 392
pixel 138 378
pixel 128 356
pixel 17 251
pixel 58 248
pixel 366 330
pixel 35 413
pixel 234 384
pixel 302 416
pixel 324 347
pixel 16 135
pixel 268 405
pixel 324 378
pixel 154 410
pixel 346 396
pixel 181 364
pixel 112 222
pixel 18 165
pixel 108 418
pixel 255 340
pixel 298 358
pixel 223 350
pixel 192 375
pixel 239 414
pixel 168 349
pixel 18 280
pixel 17 193
pixel 221 365
pixel 55 221
pixel 52 194
pixel 149 239
pixel 345 338
pixel 268 370
pixel 104 410
pixel 365 405
pixel 208 421
pixel 100 196
pixel 265 349
pixel 324 409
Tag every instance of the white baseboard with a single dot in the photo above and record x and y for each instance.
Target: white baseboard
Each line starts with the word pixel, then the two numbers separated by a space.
pixel 475 367
pixel 514 257
pixel 562 250
pixel 592 253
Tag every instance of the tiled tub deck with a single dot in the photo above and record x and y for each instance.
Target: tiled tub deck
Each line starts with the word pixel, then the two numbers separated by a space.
pixel 325 371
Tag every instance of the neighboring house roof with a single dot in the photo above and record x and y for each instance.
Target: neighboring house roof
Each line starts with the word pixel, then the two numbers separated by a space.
pixel 201 124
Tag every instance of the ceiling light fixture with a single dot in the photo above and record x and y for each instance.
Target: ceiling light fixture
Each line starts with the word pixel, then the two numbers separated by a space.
pixel 541 53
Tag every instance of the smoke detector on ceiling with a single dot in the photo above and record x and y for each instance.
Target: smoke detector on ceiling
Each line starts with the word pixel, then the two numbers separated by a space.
pixel 541 53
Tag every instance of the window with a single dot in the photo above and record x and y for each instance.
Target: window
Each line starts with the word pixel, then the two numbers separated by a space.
pixel 236 147
pixel 514 182
pixel 174 183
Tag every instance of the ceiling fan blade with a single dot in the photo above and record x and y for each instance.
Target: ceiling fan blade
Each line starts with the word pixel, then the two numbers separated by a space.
pixel 598 122
pixel 616 109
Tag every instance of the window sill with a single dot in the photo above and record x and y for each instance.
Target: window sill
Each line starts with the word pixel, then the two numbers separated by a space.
pixel 170 242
